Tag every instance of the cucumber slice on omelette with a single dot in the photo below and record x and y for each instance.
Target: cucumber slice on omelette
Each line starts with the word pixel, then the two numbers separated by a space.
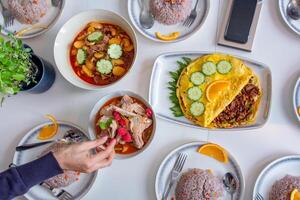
pixel 221 96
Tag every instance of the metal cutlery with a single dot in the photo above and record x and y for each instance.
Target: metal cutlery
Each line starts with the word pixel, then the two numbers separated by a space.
pixel 70 136
pixel 146 18
pixel 230 184
pixel 293 9
pixel 190 20
pixel 61 194
pixel 7 16
pixel 175 173
pixel 55 3
pixel 258 197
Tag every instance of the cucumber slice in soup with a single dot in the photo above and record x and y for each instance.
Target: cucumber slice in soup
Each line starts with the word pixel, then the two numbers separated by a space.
pixel 197 78
pixel 209 68
pixel 104 66
pixel 197 109
pixel 95 36
pixel 224 67
pixel 114 51
pixel 81 56
pixel 194 93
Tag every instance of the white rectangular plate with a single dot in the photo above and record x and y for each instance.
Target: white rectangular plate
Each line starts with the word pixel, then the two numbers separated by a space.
pixel 159 92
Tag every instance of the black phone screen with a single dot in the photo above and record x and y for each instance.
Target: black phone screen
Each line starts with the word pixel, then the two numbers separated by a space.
pixel 242 13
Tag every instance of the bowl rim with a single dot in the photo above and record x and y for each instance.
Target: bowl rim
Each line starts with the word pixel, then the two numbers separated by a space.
pixel 107 97
pixel 85 85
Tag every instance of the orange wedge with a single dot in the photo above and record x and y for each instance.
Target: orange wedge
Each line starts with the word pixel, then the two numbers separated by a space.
pixel 214 88
pixel 295 195
pixel 48 131
pixel 299 110
pixel 215 151
pixel 169 37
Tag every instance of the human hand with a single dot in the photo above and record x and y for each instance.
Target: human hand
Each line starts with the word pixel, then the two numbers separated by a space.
pixel 78 157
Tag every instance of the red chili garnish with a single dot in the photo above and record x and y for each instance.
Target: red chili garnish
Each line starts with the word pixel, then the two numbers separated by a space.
pixel 122 131
pixel 127 138
pixel 122 122
pixel 149 112
pixel 116 115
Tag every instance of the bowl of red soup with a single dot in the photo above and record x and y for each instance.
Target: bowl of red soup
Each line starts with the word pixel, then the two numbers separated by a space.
pixel 126 117
pixel 95 49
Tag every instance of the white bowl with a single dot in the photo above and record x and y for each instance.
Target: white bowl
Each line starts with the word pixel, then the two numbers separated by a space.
pixel 102 101
pixel 69 31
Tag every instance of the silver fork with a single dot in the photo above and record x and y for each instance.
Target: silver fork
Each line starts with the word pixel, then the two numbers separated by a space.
pixel 190 20
pixel 7 16
pixel 258 197
pixel 61 194
pixel 175 173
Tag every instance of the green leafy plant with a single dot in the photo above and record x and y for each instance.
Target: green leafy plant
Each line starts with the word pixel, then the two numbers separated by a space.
pixel 15 66
pixel 176 110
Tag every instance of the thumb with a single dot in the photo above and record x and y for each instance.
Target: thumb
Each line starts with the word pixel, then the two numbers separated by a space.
pixel 92 144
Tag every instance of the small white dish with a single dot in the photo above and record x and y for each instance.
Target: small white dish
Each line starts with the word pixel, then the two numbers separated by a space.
pixel 296 98
pixel 69 31
pixel 275 171
pixel 197 160
pixel 77 189
pixel 134 9
pixel 105 99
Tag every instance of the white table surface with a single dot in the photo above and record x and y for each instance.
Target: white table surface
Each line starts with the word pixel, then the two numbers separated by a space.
pixel 275 45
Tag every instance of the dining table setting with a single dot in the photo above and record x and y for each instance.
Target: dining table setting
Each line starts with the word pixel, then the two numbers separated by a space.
pixel 202 97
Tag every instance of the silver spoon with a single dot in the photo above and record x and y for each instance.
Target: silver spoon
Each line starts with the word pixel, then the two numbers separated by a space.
pixel 293 9
pixel 73 136
pixel 230 183
pixel 146 18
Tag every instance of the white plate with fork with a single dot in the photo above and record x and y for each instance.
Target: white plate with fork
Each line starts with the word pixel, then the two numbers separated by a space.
pixel 20 30
pixel 197 160
pixel 134 10
pixel 77 189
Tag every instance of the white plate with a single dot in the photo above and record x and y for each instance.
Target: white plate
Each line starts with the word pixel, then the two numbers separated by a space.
pixel 296 98
pixel 159 92
pixel 275 171
pixel 185 32
pixel 294 25
pixel 48 21
pixel 69 31
pixel 197 160
pixel 105 99
pixel 77 189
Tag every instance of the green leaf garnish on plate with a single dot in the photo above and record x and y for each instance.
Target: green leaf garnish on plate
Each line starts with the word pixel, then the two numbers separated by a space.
pixel 176 110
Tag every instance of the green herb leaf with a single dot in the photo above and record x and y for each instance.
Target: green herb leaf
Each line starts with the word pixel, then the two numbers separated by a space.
pixel 103 125
pixel 15 66
pixel 176 110
pixel 19 77
pixel 109 121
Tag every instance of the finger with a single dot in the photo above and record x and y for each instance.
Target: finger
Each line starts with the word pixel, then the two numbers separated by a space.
pixel 105 162
pixel 104 154
pixel 92 144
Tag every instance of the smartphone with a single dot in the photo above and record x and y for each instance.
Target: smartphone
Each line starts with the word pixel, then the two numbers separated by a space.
pixel 241 17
